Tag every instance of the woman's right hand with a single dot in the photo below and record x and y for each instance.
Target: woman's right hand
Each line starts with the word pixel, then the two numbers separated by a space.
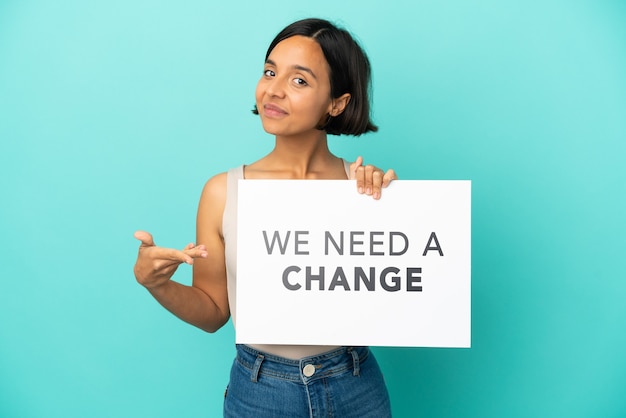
pixel 155 266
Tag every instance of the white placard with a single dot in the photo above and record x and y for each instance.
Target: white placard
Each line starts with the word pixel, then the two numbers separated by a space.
pixel 319 264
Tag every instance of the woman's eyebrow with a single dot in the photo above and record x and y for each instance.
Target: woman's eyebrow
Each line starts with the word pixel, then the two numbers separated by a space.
pixel 295 67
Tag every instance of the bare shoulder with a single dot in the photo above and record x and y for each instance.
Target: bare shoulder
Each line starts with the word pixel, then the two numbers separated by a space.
pixel 211 206
pixel 215 188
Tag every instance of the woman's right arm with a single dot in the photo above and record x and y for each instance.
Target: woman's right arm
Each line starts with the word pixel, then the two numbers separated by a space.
pixel 204 303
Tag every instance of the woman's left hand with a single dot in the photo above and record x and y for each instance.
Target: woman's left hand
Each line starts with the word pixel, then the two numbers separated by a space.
pixel 370 180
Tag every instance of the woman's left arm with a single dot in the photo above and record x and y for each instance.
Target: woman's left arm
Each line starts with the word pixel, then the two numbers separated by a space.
pixel 370 179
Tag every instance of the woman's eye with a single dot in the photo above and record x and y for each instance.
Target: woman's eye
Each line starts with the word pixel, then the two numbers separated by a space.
pixel 300 81
pixel 268 73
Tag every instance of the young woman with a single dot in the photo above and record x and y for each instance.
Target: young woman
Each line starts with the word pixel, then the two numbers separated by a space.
pixel 315 82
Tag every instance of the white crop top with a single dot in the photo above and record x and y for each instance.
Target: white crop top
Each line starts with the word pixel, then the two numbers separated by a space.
pixel 229 230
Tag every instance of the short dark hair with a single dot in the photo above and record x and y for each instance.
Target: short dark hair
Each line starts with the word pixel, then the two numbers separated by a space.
pixel 349 73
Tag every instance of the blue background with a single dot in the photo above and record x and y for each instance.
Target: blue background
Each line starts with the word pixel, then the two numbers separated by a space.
pixel 114 113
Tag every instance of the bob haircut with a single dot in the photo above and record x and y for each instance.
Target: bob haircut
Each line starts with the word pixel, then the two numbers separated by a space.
pixel 349 73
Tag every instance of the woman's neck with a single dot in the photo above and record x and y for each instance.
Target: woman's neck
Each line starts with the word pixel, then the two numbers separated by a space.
pixel 301 157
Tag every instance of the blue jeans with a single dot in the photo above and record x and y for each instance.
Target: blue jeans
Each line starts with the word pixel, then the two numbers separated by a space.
pixel 345 382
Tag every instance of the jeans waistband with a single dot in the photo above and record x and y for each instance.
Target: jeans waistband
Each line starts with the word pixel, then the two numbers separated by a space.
pixel 306 369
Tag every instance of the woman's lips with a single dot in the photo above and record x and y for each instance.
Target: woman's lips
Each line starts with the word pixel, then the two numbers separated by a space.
pixel 272 110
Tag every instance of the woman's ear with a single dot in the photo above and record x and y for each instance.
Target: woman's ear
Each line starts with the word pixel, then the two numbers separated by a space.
pixel 339 104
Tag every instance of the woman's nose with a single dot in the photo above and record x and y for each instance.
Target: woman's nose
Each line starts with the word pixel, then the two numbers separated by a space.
pixel 276 88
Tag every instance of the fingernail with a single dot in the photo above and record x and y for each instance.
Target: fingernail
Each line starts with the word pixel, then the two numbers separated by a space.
pixel 377 195
pixel 361 190
pixel 369 190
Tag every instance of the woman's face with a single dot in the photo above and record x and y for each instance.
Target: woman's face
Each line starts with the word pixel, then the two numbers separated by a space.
pixel 293 94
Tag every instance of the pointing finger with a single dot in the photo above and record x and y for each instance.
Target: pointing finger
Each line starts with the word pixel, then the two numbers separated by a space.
pixel 171 254
pixel 194 251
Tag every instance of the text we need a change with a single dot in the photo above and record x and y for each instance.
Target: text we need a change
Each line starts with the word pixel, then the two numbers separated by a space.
pixel 357 245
